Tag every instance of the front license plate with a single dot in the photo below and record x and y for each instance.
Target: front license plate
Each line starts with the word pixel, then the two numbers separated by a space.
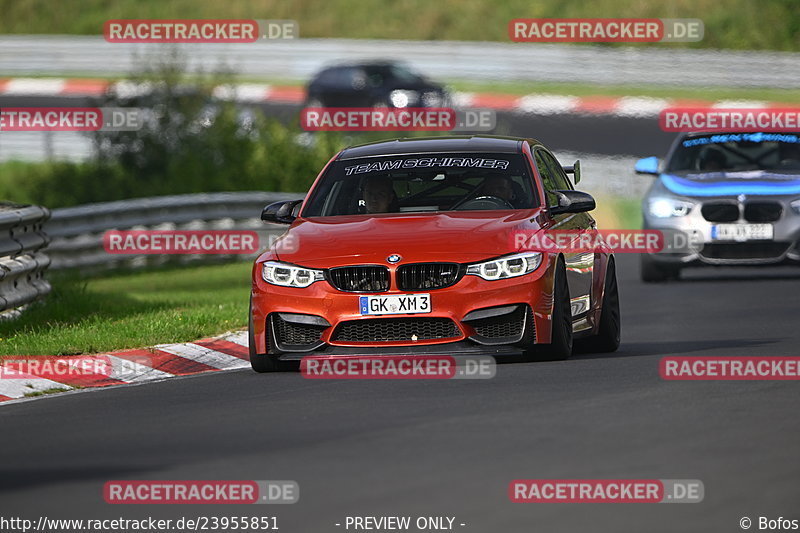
pixel 741 232
pixel 395 305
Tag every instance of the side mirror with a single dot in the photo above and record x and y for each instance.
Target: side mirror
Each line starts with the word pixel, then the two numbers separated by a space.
pixel 648 165
pixel 575 170
pixel 573 202
pixel 281 212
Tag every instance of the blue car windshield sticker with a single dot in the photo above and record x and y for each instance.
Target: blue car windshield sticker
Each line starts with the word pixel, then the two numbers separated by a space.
pixel 740 137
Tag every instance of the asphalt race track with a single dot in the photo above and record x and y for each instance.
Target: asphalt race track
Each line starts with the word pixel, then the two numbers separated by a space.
pixel 450 448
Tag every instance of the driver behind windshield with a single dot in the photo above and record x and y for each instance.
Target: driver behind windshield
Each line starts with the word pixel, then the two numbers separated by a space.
pixel 499 187
pixel 379 195
pixel 713 159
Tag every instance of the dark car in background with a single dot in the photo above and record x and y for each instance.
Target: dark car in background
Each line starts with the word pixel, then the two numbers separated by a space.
pixel 373 84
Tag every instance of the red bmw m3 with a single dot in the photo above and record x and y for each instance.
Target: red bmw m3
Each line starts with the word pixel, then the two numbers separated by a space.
pixel 403 247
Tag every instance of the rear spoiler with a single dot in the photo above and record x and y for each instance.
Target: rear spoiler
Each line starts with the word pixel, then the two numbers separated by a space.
pixel 575 170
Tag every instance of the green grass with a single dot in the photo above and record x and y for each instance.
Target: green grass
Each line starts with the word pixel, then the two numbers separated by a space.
pixel 617 213
pixel 737 24
pixel 54 390
pixel 131 310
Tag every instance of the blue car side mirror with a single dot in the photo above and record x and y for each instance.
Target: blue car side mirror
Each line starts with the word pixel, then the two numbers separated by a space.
pixel 647 165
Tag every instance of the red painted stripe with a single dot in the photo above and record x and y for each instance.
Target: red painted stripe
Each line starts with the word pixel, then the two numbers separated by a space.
pixel 495 101
pixel 283 93
pixel 226 347
pixel 84 380
pixel 169 362
pixel 88 87
pixel 597 104
pixel 5 398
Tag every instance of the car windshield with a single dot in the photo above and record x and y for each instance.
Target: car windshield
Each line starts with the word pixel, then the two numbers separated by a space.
pixel 733 152
pixel 380 74
pixel 423 183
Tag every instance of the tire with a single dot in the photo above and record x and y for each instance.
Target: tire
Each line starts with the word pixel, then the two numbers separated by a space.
pixel 560 347
pixel 651 271
pixel 607 338
pixel 264 362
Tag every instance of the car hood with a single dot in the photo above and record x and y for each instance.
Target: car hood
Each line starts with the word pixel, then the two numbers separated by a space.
pixel 751 182
pixel 321 242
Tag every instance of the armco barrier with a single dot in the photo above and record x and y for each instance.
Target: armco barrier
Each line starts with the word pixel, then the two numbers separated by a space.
pixel 76 233
pixel 22 264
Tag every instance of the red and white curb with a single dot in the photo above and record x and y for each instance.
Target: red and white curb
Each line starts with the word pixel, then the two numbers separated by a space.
pixel 227 352
pixel 539 104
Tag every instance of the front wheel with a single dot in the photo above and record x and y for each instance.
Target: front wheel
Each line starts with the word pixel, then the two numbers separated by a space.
pixel 264 362
pixel 560 347
pixel 607 338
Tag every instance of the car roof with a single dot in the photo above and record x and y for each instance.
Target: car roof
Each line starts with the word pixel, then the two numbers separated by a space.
pixel 456 143
pixel 378 63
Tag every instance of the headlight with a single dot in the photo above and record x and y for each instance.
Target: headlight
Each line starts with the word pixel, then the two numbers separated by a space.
pixel 401 98
pixel 795 205
pixel 668 207
pixel 289 275
pixel 510 266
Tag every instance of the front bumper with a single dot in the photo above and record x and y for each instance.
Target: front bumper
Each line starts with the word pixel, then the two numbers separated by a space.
pixel 784 247
pixel 471 316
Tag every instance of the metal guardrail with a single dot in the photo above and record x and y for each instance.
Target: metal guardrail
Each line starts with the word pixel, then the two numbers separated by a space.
pixel 489 61
pixel 76 233
pixel 22 264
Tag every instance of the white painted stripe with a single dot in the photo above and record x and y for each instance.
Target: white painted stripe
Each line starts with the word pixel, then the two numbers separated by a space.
pixel 34 86
pixel 130 371
pixel 462 99
pixel 17 387
pixel 546 104
pixel 206 356
pixel 129 89
pixel 238 337
pixel 740 104
pixel 244 92
pixel 637 106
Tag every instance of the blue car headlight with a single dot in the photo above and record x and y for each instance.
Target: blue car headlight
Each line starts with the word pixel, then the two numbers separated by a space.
pixel 668 207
